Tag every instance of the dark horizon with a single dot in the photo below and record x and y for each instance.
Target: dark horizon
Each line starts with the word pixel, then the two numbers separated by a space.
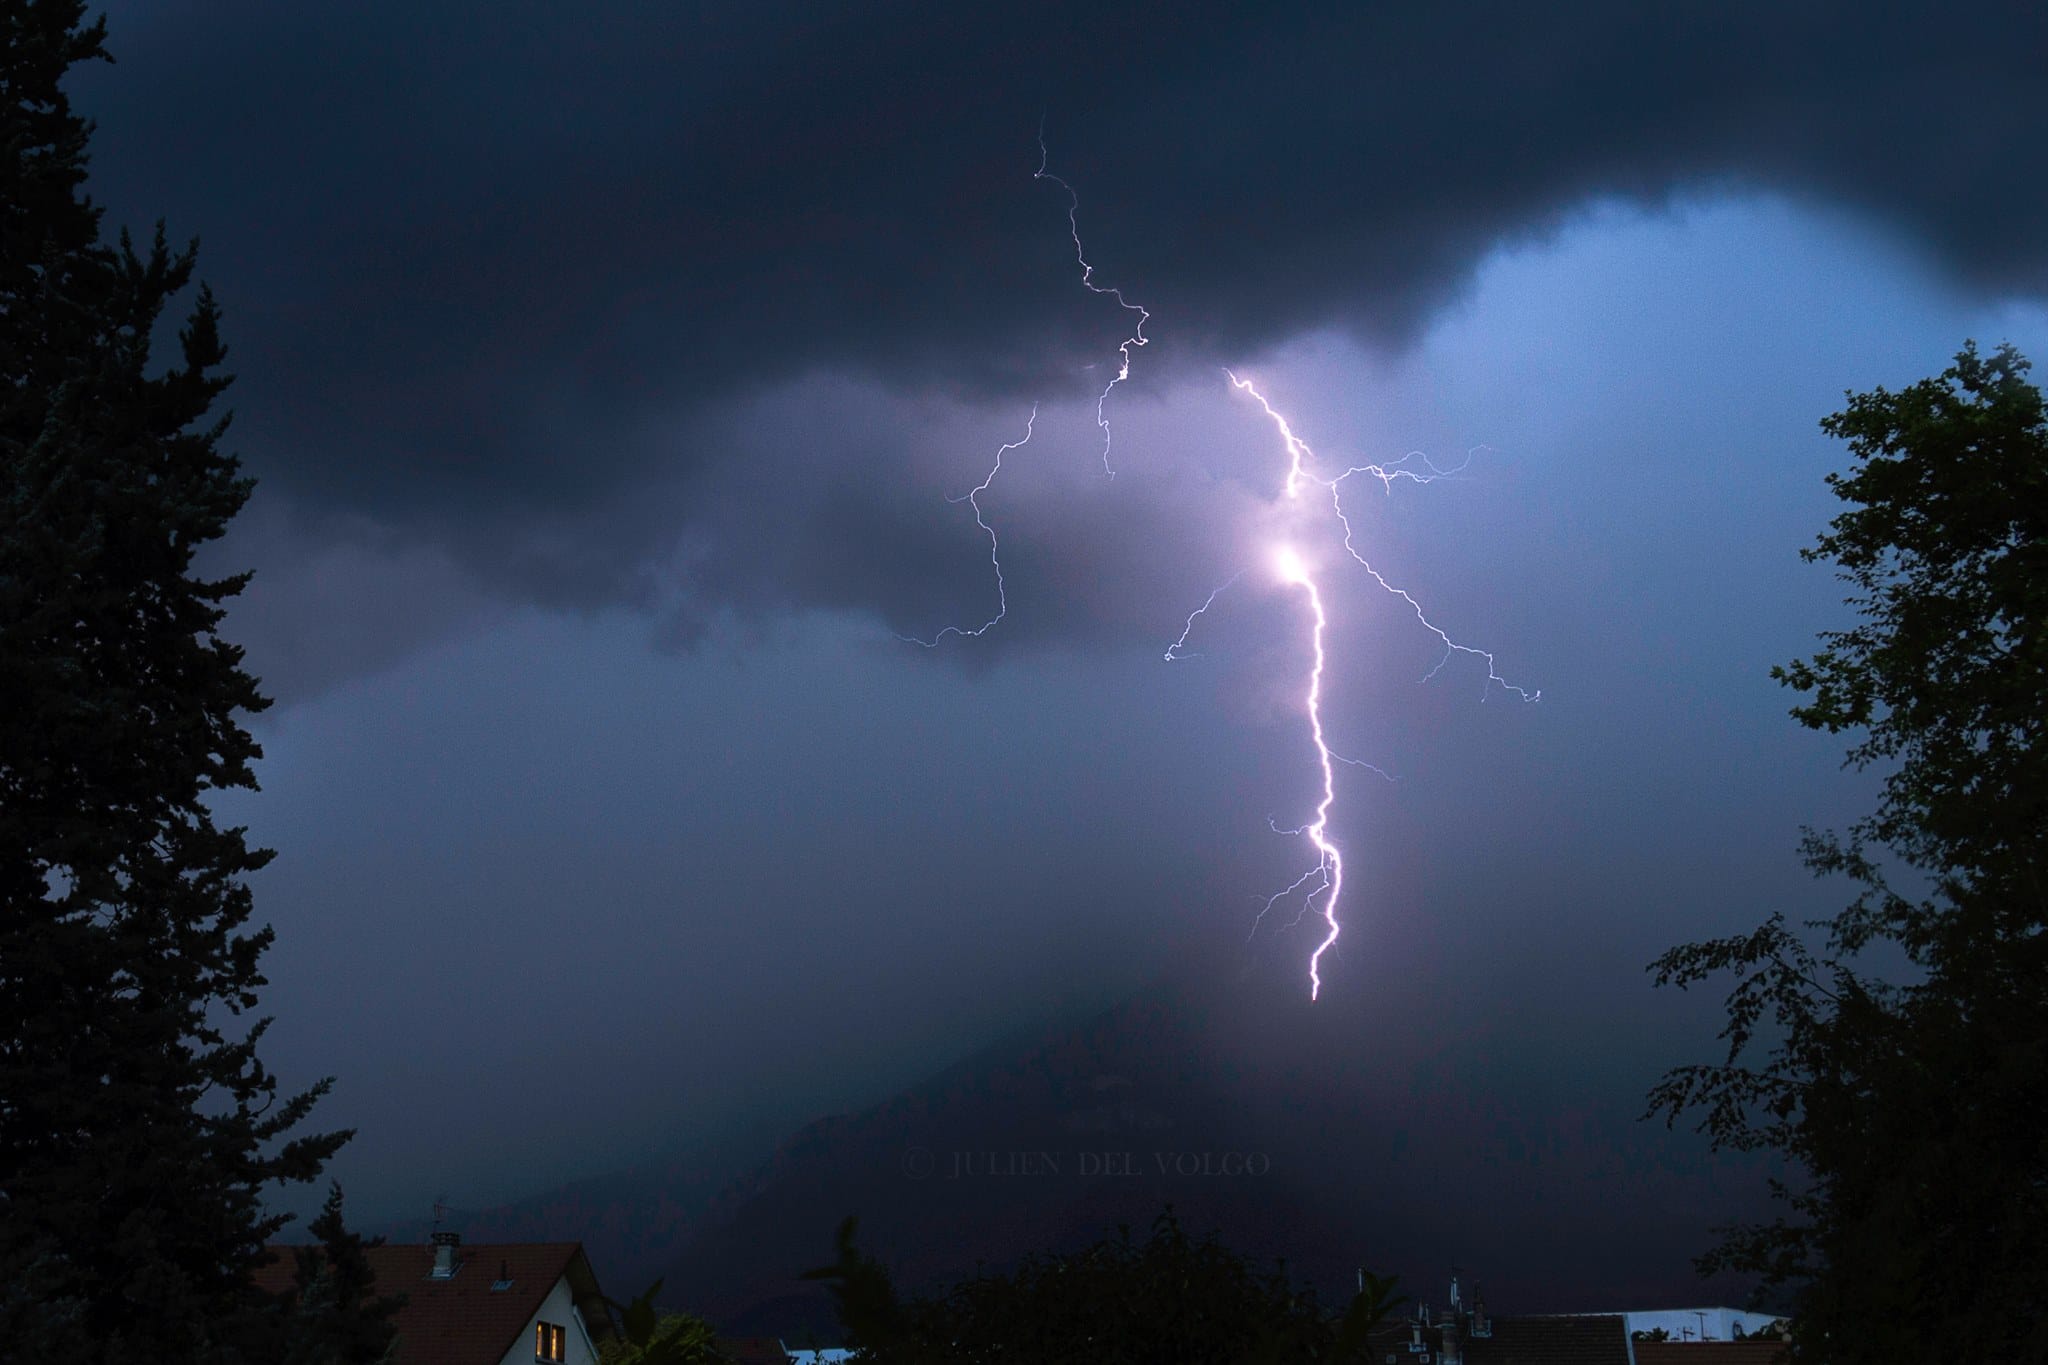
pixel 1047 1143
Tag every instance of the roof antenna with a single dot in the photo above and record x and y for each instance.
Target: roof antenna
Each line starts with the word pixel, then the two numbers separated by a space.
pixel 442 1208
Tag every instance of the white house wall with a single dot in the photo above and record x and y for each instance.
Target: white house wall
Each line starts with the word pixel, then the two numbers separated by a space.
pixel 1685 1324
pixel 558 1307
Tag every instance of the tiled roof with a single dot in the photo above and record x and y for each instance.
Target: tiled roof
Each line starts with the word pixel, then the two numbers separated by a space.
pixel 1561 1340
pixel 462 1320
pixel 753 1351
pixel 1756 1351
pixel 1585 1339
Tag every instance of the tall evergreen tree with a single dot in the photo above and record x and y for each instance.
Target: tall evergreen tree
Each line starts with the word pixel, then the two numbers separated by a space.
pixel 332 1313
pixel 138 1128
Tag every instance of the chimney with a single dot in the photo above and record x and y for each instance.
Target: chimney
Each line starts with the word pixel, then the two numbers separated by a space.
pixel 1482 1325
pixel 1450 1345
pixel 444 1255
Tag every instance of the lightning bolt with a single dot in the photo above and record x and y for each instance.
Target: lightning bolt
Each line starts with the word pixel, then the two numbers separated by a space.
pixel 1326 878
pixel 1300 471
pixel 1324 881
pixel 1173 651
pixel 1373 768
pixel 1300 457
pixel 1329 859
pixel 1137 336
pixel 973 498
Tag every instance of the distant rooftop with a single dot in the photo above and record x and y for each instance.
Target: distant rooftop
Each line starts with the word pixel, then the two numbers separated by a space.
pixel 475 1314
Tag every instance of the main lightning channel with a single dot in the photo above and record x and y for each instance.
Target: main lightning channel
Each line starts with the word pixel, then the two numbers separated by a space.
pixel 1326 878
pixel 1300 457
pixel 1137 336
pixel 1324 881
pixel 1300 471
pixel 973 498
pixel 1330 860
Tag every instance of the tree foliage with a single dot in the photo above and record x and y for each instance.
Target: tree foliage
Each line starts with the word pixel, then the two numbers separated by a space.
pixel 1914 1219
pixel 137 1125
pixel 1170 1298
pixel 650 1337
pixel 1946 544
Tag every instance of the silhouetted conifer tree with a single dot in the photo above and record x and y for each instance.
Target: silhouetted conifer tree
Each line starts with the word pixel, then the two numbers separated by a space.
pixel 137 1126
pixel 333 1315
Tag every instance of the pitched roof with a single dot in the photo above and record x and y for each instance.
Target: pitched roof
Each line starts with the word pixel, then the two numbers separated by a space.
pixel 1565 1339
pixel 1755 1351
pixel 753 1351
pixel 1568 1339
pixel 464 1320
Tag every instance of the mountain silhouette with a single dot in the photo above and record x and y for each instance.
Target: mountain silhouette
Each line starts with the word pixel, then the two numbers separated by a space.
pixel 1374 1138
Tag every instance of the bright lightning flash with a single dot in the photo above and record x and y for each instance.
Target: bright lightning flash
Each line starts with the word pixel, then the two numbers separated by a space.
pixel 1287 562
pixel 1300 461
pixel 1326 878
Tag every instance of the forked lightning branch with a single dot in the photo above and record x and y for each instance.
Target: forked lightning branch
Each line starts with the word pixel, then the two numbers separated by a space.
pixel 1319 888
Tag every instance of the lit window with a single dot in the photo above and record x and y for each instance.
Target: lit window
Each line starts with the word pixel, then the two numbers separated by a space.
pixel 550 1342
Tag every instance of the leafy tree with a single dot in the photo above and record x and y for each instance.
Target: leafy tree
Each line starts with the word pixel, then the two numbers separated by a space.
pixel 651 1337
pixel 1372 1305
pixel 1171 1298
pixel 874 1317
pixel 137 1126
pixel 1915 1218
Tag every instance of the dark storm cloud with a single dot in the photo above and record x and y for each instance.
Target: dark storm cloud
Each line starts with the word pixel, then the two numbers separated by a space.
pixel 832 494
pixel 486 269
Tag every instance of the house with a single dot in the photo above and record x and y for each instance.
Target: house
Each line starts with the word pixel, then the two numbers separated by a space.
pixel 523 1303
pixel 1559 1339
pixel 1466 1334
pixel 1701 1324
pixel 1753 1351
pixel 1474 1337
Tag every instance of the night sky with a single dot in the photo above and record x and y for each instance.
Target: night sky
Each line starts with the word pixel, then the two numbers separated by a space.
pixel 607 369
